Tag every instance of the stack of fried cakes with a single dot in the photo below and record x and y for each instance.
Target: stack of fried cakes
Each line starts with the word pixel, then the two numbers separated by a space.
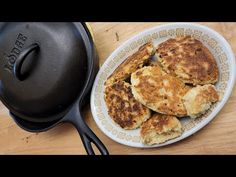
pixel 154 95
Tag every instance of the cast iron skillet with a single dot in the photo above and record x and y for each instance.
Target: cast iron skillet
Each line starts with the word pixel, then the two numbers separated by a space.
pixel 28 117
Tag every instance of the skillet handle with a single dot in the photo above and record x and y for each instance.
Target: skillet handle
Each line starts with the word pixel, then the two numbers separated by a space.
pixel 20 60
pixel 86 134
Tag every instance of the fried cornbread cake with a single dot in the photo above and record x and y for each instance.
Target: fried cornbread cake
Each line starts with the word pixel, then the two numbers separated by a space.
pixel 199 99
pixel 154 91
pixel 189 60
pixel 159 91
pixel 123 108
pixel 159 129
pixel 131 64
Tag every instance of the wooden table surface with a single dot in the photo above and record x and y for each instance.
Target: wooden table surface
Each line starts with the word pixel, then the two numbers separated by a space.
pixel 218 137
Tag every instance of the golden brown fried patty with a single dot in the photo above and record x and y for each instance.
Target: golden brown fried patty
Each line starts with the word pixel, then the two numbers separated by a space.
pixel 159 91
pixel 199 99
pixel 123 108
pixel 131 64
pixel 159 129
pixel 188 59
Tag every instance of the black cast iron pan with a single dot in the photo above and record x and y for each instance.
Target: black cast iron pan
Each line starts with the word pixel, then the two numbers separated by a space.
pixel 46 73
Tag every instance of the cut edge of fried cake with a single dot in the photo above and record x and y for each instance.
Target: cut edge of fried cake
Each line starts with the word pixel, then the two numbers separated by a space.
pixel 160 128
pixel 199 99
pixel 131 64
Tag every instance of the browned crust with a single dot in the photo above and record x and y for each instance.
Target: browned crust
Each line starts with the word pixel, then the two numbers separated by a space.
pixel 156 124
pixel 131 64
pixel 149 91
pixel 209 94
pixel 188 59
pixel 123 108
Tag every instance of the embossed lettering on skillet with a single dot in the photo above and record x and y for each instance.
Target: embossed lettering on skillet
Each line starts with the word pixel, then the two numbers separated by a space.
pixel 15 51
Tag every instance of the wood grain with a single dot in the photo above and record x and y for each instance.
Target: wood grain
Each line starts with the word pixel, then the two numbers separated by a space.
pixel 218 137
